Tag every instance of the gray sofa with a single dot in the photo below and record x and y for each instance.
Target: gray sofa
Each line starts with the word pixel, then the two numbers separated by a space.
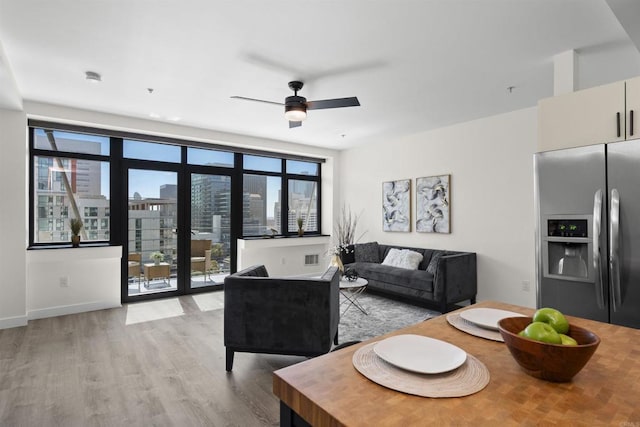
pixel 442 278
pixel 280 315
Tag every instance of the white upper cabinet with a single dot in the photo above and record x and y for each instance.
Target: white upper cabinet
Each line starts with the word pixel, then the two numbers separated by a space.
pixel 585 117
pixel 633 108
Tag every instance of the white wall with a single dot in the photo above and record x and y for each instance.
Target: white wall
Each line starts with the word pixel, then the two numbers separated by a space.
pixel 91 280
pixel 13 218
pixel 491 165
pixel 284 257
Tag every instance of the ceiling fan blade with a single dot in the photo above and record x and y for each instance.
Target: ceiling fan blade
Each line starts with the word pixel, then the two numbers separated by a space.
pixel 333 103
pixel 294 124
pixel 256 100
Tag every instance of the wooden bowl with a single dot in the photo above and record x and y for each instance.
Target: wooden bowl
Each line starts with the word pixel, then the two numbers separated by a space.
pixel 551 362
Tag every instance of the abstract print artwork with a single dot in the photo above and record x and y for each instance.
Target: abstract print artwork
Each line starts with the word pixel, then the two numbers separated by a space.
pixel 432 204
pixel 396 205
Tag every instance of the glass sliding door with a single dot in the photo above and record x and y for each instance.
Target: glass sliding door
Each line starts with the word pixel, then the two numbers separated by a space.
pixel 210 245
pixel 152 231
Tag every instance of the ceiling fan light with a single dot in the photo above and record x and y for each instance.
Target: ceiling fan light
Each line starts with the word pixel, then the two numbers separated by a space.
pixel 295 114
pixel 295 109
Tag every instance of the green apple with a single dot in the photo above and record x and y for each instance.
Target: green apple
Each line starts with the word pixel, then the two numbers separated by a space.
pixel 567 340
pixel 552 317
pixel 541 331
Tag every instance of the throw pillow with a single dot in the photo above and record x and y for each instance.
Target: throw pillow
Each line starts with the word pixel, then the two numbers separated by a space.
pixel 403 258
pixel 433 264
pixel 367 252
pixel 412 259
pixel 393 257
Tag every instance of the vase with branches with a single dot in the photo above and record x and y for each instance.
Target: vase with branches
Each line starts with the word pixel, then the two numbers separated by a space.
pixel 345 230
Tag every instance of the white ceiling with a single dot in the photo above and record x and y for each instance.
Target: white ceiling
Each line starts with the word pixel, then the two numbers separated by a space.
pixel 415 65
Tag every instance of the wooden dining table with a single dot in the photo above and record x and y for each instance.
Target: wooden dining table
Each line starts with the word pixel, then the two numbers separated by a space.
pixel 329 391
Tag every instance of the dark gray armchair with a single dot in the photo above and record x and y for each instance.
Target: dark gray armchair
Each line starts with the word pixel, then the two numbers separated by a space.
pixel 280 315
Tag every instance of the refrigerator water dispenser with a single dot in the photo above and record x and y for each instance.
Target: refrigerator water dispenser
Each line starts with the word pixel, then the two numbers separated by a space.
pixel 568 259
pixel 567 248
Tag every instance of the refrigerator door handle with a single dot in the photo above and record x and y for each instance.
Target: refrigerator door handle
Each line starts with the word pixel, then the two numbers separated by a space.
pixel 614 248
pixel 597 259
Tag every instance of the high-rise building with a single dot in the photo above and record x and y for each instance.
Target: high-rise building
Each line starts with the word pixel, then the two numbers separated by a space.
pixel 169 191
pixel 151 227
pixel 254 205
pixel 210 196
pixel 301 206
pixel 56 204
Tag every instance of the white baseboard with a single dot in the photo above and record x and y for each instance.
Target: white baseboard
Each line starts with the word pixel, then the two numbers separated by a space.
pixel 70 309
pixel 13 322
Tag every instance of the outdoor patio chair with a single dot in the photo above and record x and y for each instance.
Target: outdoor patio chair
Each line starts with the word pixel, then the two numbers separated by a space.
pixel 134 264
pixel 201 256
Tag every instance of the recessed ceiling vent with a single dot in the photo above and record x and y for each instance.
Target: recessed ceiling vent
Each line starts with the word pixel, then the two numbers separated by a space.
pixel 93 77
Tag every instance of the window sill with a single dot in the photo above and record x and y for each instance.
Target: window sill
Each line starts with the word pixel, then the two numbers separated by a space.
pixel 68 246
pixel 282 241
pixel 291 236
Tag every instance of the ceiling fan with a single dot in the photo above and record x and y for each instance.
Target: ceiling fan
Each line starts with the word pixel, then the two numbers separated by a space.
pixel 295 107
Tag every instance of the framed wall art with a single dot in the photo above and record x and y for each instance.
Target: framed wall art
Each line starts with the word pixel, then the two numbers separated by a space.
pixel 433 204
pixel 396 205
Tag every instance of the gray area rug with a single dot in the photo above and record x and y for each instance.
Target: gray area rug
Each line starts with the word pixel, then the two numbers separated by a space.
pixel 384 315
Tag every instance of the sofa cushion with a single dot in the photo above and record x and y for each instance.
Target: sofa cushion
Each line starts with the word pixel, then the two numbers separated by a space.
pixel 433 264
pixel 426 258
pixel 367 252
pixel 414 279
pixel 403 258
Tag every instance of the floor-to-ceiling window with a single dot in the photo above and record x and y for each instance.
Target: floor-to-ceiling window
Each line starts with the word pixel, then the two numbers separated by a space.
pixel 152 222
pixel 177 207
pixel 210 173
pixel 152 240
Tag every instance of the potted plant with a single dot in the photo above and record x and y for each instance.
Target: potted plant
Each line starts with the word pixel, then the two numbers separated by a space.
pixel 300 222
pixel 76 225
pixel 157 257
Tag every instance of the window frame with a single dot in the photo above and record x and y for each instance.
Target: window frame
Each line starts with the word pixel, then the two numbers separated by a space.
pixel 307 178
pixel 267 175
pixel 284 196
pixel 41 152
pixel 116 160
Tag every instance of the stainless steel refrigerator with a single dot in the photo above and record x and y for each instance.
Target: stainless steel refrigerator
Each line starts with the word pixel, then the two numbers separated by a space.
pixel 587 203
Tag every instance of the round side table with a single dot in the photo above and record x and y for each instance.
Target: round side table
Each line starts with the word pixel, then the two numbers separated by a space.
pixel 351 290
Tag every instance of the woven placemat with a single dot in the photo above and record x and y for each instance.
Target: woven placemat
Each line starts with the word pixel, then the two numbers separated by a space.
pixel 458 322
pixel 469 378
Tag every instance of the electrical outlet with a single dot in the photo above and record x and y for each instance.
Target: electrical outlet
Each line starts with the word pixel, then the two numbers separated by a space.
pixel 525 285
pixel 64 282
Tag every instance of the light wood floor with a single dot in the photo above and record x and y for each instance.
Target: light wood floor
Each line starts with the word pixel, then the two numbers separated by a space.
pixel 157 363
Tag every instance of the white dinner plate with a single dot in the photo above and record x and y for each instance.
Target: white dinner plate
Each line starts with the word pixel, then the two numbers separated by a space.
pixel 420 354
pixel 487 317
